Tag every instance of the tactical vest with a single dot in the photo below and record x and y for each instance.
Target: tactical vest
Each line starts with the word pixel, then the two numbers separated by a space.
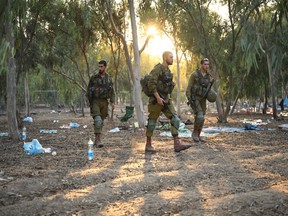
pixel 102 86
pixel 201 84
pixel 164 83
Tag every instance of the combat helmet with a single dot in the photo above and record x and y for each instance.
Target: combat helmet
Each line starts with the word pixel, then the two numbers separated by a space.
pixel 211 96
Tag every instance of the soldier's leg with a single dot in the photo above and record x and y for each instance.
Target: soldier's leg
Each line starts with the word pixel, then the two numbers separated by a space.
pixel 203 107
pixel 154 112
pixel 103 104
pixel 95 113
pixel 170 113
pixel 198 121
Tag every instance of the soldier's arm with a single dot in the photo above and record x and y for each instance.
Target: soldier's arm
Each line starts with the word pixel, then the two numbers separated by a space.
pixel 88 91
pixel 152 84
pixel 190 85
pixel 112 97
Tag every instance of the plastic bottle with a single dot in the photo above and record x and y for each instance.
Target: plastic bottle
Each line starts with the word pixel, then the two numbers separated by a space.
pixel 90 150
pixel 24 136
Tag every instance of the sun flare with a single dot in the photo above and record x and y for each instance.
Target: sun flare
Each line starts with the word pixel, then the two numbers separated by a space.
pixel 158 43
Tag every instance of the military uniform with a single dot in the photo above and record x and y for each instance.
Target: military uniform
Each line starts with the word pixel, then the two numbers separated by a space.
pixel 197 87
pixel 100 89
pixel 161 81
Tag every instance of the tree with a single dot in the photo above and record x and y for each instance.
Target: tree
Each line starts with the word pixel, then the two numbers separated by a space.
pixel 267 41
pixel 11 73
pixel 135 69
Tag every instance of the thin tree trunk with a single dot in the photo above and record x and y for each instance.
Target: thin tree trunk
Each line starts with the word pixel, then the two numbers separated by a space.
pixel 27 94
pixel 219 106
pixel 178 81
pixel 137 87
pixel 11 77
pixel 272 85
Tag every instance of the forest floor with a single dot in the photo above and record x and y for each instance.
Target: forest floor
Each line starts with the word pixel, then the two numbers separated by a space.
pixel 233 173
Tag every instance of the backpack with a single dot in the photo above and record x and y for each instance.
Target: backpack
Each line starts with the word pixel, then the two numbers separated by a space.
pixel 165 88
pixel 144 85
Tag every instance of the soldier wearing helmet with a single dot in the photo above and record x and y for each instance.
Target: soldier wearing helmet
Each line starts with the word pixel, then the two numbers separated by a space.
pixel 198 91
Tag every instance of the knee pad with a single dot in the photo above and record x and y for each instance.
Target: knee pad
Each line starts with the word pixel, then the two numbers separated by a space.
pixel 175 122
pixel 98 122
pixel 199 118
pixel 151 125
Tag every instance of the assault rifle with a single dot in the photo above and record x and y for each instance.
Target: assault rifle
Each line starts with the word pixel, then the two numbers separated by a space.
pixel 192 102
pixel 175 121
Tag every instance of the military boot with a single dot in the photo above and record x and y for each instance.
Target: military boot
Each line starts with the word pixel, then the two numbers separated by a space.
pixel 200 139
pixel 178 146
pixel 97 142
pixel 149 148
pixel 195 135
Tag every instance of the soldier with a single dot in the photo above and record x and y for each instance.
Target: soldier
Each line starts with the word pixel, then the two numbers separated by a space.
pixel 100 89
pixel 198 90
pixel 161 85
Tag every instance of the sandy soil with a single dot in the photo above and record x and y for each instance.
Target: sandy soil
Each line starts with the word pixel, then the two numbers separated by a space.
pixel 232 174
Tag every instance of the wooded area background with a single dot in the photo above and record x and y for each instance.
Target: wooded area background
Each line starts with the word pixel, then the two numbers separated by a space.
pixel 50 49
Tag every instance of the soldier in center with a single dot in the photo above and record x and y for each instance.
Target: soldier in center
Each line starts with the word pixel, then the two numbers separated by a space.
pixel 161 85
pixel 198 91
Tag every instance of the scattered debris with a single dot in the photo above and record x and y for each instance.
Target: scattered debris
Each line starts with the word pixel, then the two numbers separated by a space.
pixel 48 131
pixel 28 119
pixel 33 148
pixel 4 134
pixel 255 122
pixel 114 130
pixel 283 126
pixel 74 125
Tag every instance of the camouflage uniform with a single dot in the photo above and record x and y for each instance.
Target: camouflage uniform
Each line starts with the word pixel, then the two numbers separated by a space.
pixel 161 81
pixel 195 91
pixel 100 89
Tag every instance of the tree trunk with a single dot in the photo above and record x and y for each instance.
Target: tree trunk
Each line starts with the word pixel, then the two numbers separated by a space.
pixel 272 85
pixel 178 81
pixel 136 69
pixel 11 77
pixel 27 94
pixel 219 106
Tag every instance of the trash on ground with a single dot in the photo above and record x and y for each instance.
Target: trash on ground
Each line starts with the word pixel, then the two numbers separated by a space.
pixel 167 126
pixel 188 122
pixel 186 134
pixel 47 150
pixel 4 134
pixel 28 119
pixel 114 130
pixel 48 131
pixel 250 127
pixel 65 127
pixel 74 125
pixel 182 131
pixel 84 126
pixel 55 121
pixel 54 153
pixel 136 124
pixel 5 178
pixel 33 148
pixel 255 122
pixel 123 127
pixel 283 126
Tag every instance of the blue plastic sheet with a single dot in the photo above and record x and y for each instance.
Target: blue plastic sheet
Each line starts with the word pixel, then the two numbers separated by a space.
pixel 33 148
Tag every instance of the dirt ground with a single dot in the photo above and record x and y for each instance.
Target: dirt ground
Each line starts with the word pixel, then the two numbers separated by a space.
pixel 243 173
